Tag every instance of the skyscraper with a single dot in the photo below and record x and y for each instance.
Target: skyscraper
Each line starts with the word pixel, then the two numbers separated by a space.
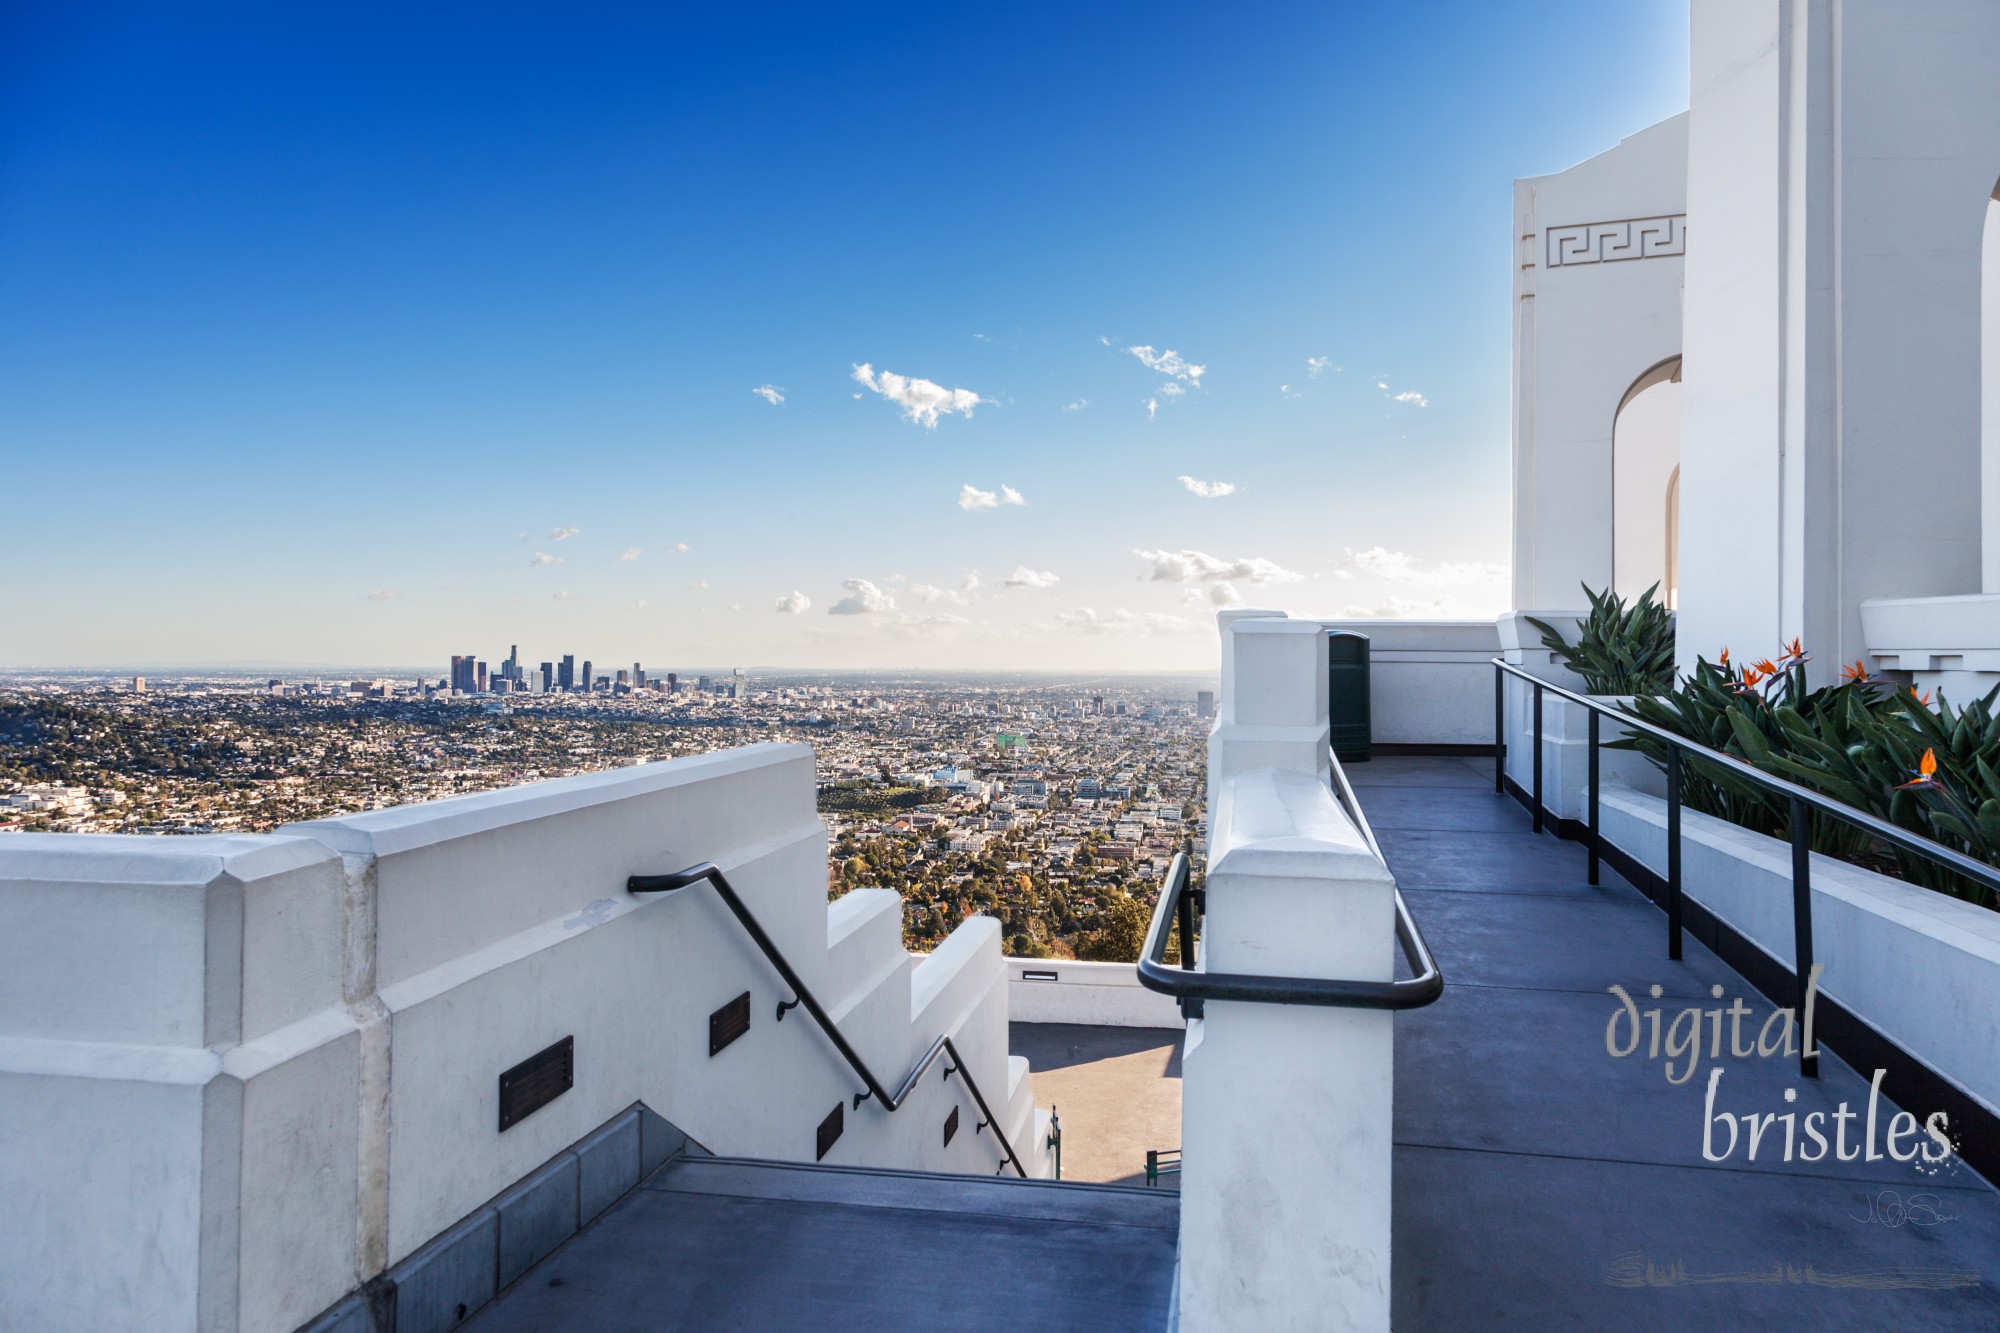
pixel 1204 703
pixel 566 677
pixel 588 681
pixel 638 677
pixel 479 675
pixel 548 676
pixel 673 682
pixel 463 676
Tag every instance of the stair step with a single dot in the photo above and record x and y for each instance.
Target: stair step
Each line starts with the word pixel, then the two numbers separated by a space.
pixel 720 1243
pixel 930 1191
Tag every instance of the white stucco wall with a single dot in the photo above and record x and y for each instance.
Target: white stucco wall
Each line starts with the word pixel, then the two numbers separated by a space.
pixel 239 1076
pixel 1285 1219
pixel 1430 681
pixel 1062 990
pixel 1597 301
pixel 1840 160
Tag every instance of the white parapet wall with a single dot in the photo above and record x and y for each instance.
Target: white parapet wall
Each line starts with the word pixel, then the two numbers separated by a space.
pixel 1285 1213
pixel 1061 990
pixel 240 1076
pixel 1430 682
pixel 1920 967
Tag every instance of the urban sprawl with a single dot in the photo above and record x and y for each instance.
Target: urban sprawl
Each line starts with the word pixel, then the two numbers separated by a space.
pixel 1052 804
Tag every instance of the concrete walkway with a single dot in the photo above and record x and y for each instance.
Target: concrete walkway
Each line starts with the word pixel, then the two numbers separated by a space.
pixel 1542 1184
pixel 1118 1091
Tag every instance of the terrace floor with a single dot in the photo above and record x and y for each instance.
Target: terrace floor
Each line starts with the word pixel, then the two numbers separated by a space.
pixel 1117 1090
pixel 1541 1183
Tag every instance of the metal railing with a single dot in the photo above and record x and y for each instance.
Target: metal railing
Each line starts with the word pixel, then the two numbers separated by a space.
pixel 1803 801
pixel 709 871
pixel 1192 986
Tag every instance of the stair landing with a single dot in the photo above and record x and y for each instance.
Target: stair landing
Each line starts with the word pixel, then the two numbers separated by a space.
pixel 727 1243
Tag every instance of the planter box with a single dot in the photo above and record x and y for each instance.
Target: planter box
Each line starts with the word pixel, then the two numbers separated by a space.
pixel 1566 752
pixel 1919 967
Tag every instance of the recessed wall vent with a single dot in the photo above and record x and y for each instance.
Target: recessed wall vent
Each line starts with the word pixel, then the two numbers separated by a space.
pixel 829 1131
pixel 729 1022
pixel 537 1081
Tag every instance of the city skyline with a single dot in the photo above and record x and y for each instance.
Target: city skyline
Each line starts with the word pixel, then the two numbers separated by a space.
pixel 927 347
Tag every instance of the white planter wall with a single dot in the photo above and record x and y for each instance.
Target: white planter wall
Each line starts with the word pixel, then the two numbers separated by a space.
pixel 1921 968
pixel 241 1075
pixel 1566 753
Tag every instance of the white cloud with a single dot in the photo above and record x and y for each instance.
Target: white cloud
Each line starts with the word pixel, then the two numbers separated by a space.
pixel 1286 391
pixel 562 597
pixel 1316 365
pixel 1199 567
pixel 794 603
pixel 1208 490
pixel 922 401
pixel 1120 621
pixel 563 534
pixel 1076 406
pixel 1169 363
pixel 863 599
pixel 1023 577
pixel 965 594
pixel 1412 396
pixel 971 497
pixel 1172 390
pixel 1152 407
pixel 770 393
pixel 680 548
pixel 700 585
pixel 382 595
pixel 544 558
pixel 1401 567
pixel 631 554
pixel 636 605
pixel 1221 595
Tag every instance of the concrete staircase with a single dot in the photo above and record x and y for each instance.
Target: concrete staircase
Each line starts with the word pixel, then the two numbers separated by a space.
pixel 715 1243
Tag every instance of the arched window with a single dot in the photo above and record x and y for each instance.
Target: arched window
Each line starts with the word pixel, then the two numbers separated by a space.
pixel 1645 470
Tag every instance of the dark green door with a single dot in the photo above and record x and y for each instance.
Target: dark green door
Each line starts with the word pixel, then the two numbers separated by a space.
pixel 1347 694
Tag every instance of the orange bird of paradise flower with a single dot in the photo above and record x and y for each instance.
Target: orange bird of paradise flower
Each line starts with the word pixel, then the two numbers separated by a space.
pixel 1796 648
pixel 1767 667
pixel 1725 657
pixel 1924 698
pixel 1926 771
pixel 1856 673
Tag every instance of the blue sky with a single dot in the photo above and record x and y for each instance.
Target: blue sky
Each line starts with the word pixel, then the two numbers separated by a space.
pixel 319 324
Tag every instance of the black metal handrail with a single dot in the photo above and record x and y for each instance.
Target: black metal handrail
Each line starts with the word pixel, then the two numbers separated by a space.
pixel 1192 986
pixel 1802 799
pixel 709 871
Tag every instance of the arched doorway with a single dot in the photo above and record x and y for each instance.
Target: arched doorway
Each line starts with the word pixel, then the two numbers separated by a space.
pixel 1645 484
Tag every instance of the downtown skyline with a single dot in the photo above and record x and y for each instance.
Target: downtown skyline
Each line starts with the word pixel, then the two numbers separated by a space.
pixel 935 345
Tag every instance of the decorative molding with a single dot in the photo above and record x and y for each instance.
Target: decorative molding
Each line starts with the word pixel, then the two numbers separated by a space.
pixel 1608 242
